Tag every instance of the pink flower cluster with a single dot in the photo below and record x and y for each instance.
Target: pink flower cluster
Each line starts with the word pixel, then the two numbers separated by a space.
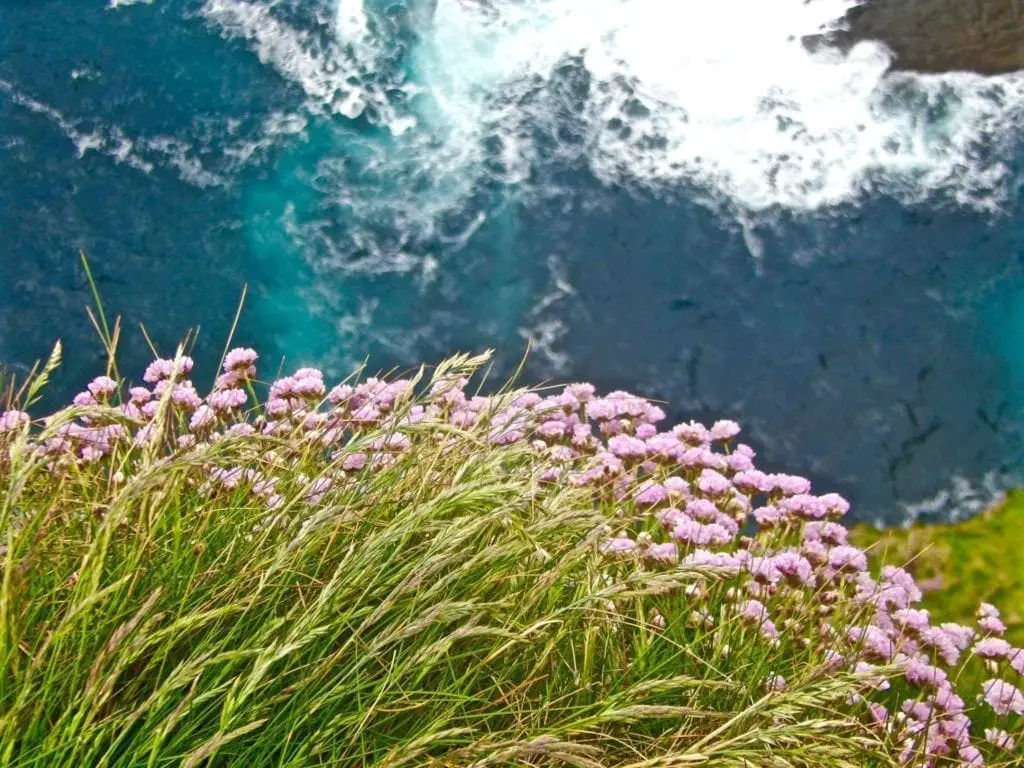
pixel 688 497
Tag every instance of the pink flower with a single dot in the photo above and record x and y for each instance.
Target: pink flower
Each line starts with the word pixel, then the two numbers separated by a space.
pixel 11 421
pixel 794 567
pixel 713 483
pixel 240 359
pixel 992 625
pixel 770 516
pixel 1000 739
pixel 224 400
pixel 663 553
pixel 627 447
pixel 140 395
pixel 620 545
pixel 650 494
pixel 102 387
pixel 987 609
pixel 922 674
pixel 830 533
pixel 84 400
pixel 161 369
pixel 912 620
pixel 992 648
pixel 353 462
pixel 791 485
pixel 1003 697
pixel 776 682
pixel 724 430
pixel 203 417
pixel 847 559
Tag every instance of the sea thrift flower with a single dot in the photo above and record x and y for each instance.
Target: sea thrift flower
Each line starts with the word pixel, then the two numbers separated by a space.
pixel 847 559
pixel 620 545
pixel 992 625
pixel 1000 738
pixel 992 648
pixel 987 609
pixel 651 494
pixel 102 387
pixel 922 674
pixel 666 553
pixel 240 359
pixel 203 417
pixel 830 533
pixel 794 567
pixel 1002 697
pixel 776 682
pixel 224 400
pixel 712 483
pixel 724 430
pixel 12 421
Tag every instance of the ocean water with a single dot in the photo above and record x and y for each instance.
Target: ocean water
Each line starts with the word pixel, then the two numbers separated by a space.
pixel 668 196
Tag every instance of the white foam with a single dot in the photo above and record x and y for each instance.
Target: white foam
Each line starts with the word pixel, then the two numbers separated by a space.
pixel 719 95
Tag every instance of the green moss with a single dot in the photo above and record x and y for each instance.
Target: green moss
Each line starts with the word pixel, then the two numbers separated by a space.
pixel 962 564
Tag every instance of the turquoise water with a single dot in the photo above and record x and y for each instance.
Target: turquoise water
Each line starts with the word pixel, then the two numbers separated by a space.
pixel 829 255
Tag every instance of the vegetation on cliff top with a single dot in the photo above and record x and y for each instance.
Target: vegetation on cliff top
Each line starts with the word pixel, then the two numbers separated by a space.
pixel 960 565
pixel 390 573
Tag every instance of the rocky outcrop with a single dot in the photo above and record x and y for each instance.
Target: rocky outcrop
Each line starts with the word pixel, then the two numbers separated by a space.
pixel 984 36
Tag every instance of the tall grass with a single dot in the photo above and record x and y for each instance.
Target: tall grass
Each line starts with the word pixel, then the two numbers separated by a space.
pixel 413 589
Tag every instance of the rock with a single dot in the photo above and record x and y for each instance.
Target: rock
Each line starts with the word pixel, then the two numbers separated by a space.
pixel 985 36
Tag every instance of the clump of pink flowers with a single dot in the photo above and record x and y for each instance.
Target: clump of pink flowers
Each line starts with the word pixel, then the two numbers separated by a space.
pixel 687 498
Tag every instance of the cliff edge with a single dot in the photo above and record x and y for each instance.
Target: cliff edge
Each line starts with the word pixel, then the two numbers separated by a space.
pixel 985 36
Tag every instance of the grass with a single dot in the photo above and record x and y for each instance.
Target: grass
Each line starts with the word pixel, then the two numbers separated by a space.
pixel 963 564
pixel 192 597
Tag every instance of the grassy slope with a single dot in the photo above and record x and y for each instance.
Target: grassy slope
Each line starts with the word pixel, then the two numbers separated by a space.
pixel 981 559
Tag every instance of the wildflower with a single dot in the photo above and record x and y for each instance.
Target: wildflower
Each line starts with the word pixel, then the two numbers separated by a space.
pixel 1000 738
pixel 691 532
pixel 830 533
pixel 847 559
pixel 992 648
pixel 627 447
pixel 1002 697
pixel 922 674
pixel 791 485
pixel 804 506
pixel 318 490
pixel 912 620
pixel 724 430
pixel 870 677
pixel 84 400
pixel 666 553
pixel 203 417
pixel 1017 660
pixel 620 545
pixel 794 567
pixel 693 434
pixel 161 369
pixel 712 483
pixel 879 714
pixel 354 462
pixel 988 610
pixel 650 494
pixel 874 642
pixel 993 625
pixel 102 387
pixel 11 421
pixel 776 682
pixel 971 756
pixel 240 359
pixel 940 641
pixel 224 400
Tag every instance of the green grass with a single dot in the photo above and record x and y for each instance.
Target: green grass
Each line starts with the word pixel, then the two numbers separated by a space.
pixel 446 610
pixel 963 564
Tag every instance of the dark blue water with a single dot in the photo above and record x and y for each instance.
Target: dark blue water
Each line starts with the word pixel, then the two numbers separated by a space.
pixel 875 344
